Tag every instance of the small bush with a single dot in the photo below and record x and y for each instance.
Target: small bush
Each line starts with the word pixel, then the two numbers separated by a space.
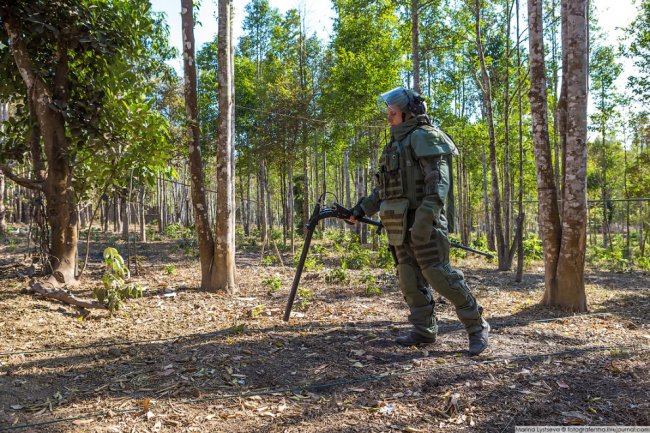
pixel 358 257
pixel 272 284
pixel 533 249
pixel 268 260
pixel 115 290
pixel 303 298
pixel 312 263
pixel 370 287
pixel 338 275
pixel 385 258
pixel 170 269
pixel 178 231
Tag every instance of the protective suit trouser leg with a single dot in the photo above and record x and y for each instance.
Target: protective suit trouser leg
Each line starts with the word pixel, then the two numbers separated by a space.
pixel 416 294
pixel 433 260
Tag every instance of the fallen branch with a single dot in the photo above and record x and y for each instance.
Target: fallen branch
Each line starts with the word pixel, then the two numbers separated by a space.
pixel 64 296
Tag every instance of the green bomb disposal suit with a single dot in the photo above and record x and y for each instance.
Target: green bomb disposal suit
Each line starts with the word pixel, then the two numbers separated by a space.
pixel 414 180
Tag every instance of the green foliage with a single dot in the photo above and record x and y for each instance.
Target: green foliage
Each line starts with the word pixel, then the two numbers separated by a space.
pixel 178 231
pixel 170 269
pixel 115 289
pixel 272 283
pixel 303 298
pixel 338 275
pixel 312 263
pixel 257 311
pixel 269 260
pixel 456 252
pixel 370 286
pixel 384 258
pixel 533 248
pixel 607 258
pixel 357 256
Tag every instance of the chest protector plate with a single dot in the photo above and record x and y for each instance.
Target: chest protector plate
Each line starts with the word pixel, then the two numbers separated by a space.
pixel 400 175
pixel 401 187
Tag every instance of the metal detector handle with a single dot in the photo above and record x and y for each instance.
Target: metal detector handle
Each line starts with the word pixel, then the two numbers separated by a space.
pixel 310 226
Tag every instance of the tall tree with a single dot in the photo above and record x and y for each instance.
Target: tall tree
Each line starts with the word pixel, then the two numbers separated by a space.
pixel 197 178
pixel 564 243
pixel 604 72
pixel 225 224
pixel 415 44
pixel 216 249
pixel 77 64
pixel 486 88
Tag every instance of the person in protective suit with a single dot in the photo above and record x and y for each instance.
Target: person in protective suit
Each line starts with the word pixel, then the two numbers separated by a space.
pixel 414 184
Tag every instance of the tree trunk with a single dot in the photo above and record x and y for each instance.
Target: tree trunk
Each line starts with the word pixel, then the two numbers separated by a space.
pixel 263 204
pixel 415 45
pixel 502 248
pixel 61 206
pixel 3 212
pixel 142 211
pixel 570 271
pixel 520 130
pixel 290 211
pixel 124 212
pixel 247 221
pixel 224 265
pixel 197 181
pixel 548 206
pixel 564 244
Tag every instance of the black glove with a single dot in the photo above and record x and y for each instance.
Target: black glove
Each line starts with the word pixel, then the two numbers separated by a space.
pixel 358 212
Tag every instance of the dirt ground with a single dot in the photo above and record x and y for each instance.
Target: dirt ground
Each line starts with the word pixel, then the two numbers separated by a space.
pixel 183 360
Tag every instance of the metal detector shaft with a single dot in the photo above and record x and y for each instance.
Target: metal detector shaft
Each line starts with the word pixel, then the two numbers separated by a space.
pixel 311 226
pixel 471 250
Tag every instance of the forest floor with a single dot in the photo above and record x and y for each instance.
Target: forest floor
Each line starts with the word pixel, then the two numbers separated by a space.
pixel 183 360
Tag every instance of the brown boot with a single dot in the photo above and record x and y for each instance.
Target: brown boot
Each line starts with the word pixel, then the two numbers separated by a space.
pixel 414 339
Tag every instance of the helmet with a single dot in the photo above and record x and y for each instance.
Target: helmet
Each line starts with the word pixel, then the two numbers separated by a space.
pixel 406 100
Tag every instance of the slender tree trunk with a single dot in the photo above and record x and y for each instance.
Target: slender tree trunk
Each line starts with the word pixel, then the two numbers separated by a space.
pixel 502 248
pixel 507 188
pixel 415 45
pixel 489 232
pixel 197 180
pixel 247 221
pixel 142 209
pixel 305 184
pixel 548 206
pixel 520 130
pixel 290 212
pixel 3 211
pixel 263 204
pixel 224 251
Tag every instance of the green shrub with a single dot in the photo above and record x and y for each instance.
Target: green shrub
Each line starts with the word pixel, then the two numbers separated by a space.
pixel 115 289
pixel 385 258
pixel 178 231
pixel 370 287
pixel 357 257
pixel 533 249
pixel 303 299
pixel 338 275
pixel 170 269
pixel 272 283
pixel 268 260
pixel 312 263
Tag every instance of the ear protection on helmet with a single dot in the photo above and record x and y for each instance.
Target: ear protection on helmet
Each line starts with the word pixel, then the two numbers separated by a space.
pixel 416 103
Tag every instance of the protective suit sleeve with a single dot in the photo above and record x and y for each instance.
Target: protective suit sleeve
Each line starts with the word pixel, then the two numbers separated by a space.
pixel 370 204
pixel 436 188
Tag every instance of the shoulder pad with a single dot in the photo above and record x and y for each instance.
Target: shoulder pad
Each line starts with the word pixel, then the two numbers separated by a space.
pixel 430 141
